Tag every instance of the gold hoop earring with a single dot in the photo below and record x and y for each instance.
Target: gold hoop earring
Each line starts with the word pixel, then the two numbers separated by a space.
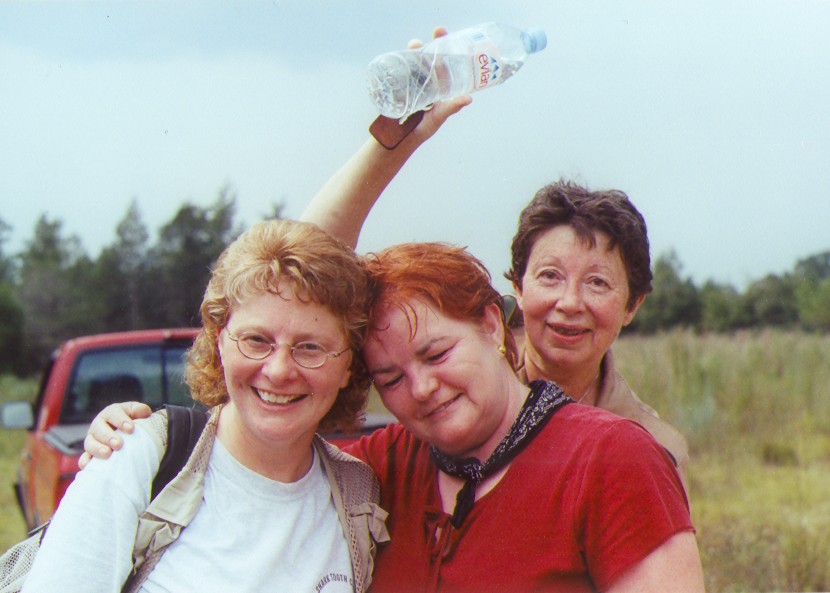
pixel 502 350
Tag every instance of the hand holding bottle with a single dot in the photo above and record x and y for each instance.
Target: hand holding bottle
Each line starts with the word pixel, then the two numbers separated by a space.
pixel 417 128
pixel 404 82
pixel 440 111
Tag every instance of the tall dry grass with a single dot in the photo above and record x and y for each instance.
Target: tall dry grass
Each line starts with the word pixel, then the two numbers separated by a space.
pixel 756 410
pixel 12 527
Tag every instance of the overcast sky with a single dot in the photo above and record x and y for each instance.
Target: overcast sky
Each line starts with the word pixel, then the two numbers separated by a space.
pixel 713 115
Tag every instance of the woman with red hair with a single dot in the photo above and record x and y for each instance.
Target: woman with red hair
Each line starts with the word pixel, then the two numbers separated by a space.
pixel 494 485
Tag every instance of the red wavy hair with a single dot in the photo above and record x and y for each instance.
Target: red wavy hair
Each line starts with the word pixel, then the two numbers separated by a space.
pixel 449 277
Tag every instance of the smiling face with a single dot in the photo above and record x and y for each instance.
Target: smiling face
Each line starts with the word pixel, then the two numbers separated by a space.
pixel 275 402
pixel 448 384
pixel 574 300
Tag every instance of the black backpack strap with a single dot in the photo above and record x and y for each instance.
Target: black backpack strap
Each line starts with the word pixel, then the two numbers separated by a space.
pixel 184 427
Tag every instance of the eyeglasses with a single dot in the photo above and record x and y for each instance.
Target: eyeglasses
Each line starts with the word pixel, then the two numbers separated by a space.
pixel 308 355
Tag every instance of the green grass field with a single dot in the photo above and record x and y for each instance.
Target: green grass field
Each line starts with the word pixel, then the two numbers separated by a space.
pixel 12 527
pixel 755 408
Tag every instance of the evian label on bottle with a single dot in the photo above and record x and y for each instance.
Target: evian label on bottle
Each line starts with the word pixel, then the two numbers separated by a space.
pixel 486 65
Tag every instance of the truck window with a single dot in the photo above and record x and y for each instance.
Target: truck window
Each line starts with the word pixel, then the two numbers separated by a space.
pixel 177 392
pixel 152 374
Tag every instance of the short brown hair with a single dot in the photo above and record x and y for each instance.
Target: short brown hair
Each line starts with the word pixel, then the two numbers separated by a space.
pixel 320 268
pixel 450 277
pixel 587 212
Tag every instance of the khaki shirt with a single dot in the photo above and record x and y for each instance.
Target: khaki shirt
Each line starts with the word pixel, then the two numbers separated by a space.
pixel 617 397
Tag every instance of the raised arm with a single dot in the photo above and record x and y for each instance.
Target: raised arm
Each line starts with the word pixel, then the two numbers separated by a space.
pixel 344 202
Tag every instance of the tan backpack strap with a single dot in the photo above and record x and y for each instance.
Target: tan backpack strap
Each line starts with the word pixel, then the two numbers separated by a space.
pixel 356 494
pixel 175 506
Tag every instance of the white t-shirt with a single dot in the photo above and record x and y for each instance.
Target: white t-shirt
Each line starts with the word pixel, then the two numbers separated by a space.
pixel 250 534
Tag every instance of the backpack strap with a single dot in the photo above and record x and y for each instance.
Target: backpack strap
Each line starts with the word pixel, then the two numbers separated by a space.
pixel 184 427
pixel 178 502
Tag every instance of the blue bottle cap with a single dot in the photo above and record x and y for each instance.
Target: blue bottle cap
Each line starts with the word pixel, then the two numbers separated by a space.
pixel 534 40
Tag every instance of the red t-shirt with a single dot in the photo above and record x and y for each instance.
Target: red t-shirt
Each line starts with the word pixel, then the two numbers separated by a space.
pixel 591 496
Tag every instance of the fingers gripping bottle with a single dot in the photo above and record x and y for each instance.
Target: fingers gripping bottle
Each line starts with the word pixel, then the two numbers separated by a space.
pixel 463 62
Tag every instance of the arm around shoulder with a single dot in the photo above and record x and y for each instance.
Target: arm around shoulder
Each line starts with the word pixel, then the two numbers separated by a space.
pixel 88 546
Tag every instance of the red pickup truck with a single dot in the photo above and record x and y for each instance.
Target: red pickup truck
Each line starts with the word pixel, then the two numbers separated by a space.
pixel 84 375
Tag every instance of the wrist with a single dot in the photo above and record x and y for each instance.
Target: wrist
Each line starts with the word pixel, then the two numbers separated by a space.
pixel 389 132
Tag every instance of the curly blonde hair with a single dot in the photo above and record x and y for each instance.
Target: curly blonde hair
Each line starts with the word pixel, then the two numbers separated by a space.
pixel 320 268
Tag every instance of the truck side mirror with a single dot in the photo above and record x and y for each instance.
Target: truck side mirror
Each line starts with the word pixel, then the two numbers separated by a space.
pixel 17 415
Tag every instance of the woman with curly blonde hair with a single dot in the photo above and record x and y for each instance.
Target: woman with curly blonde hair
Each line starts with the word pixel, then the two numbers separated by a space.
pixel 283 319
pixel 319 269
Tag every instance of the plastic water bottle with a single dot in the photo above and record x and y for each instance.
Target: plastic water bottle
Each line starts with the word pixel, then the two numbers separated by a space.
pixel 461 63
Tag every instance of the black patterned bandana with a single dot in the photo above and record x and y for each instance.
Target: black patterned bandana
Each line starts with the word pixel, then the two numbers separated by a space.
pixel 542 403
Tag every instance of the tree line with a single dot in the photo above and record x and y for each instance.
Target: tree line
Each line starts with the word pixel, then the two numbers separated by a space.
pixel 799 299
pixel 53 290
